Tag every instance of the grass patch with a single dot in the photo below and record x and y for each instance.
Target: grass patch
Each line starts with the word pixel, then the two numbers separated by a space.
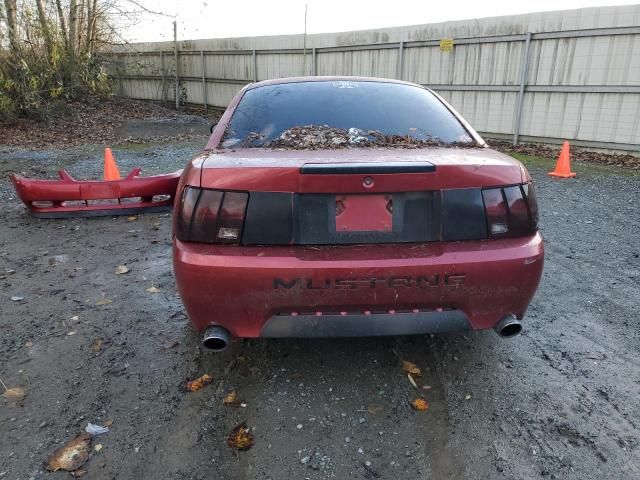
pixel 581 168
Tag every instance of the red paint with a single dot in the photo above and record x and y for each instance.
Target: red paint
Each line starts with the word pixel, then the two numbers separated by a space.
pixel 363 213
pixel 34 193
pixel 233 286
pixel 279 171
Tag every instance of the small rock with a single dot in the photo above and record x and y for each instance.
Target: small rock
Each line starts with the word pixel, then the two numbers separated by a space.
pixel 367 463
pixel 361 420
pixel 360 450
pixel 305 459
pixel 299 426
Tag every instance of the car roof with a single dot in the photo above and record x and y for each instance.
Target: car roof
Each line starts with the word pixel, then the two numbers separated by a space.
pixel 328 78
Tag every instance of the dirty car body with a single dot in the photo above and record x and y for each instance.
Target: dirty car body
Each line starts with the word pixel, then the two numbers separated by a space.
pixel 352 207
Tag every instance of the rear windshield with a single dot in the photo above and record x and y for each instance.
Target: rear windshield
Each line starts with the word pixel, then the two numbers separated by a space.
pixel 342 114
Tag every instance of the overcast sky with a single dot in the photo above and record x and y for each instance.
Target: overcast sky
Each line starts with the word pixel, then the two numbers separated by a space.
pixel 239 18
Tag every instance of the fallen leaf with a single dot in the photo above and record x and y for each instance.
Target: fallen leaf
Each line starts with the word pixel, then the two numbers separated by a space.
pixel 413 382
pixel 420 404
pixel 71 333
pixel 71 456
pixel 96 346
pixel 132 218
pixel 374 408
pixel 152 289
pixel 108 423
pixel 98 447
pixel 168 346
pixel 15 395
pixel 411 368
pixel 231 399
pixel 121 270
pixel 426 387
pixel 29 344
pixel 79 473
pixel 198 383
pixel 240 438
pixel 104 301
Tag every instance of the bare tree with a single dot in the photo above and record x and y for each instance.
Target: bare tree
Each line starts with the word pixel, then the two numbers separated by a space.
pixel 12 24
pixel 73 27
pixel 2 19
pixel 63 23
pixel 44 25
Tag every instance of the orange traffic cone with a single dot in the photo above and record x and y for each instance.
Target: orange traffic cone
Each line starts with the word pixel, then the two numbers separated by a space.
pixel 111 171
pixel 563 165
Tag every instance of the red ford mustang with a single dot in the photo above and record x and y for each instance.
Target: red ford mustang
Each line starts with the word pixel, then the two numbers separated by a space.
pixel 352 206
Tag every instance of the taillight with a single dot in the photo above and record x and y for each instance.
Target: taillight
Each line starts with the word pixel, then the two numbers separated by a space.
pixel 511 211
pixel 211 216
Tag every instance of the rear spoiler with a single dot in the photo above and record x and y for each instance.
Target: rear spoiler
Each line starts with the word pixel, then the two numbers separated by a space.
pixel 366 168
pixel 69 197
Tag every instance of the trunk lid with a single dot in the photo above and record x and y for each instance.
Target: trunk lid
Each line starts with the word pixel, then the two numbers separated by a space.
pixel 351 196
pixel 280 170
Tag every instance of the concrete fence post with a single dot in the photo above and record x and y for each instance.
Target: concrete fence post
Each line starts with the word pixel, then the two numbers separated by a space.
pixel 204 80
pixel 255 65
pixel 175 49
pixel 313 61
pixel 163 74
pixel 524 72
pixel 400 64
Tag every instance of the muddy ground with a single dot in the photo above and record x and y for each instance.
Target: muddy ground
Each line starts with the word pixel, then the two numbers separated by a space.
pixel 87 345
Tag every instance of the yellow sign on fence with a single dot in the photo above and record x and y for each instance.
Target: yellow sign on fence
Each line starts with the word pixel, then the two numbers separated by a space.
pixel 446 44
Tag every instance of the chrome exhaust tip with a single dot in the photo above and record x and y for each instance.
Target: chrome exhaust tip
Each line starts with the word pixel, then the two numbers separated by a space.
pixel 509 326
pixel 216 339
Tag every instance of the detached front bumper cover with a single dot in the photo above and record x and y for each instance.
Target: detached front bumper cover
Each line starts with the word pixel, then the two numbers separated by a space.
pixel 69 197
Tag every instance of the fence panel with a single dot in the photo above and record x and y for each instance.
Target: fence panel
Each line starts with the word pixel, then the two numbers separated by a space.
pixel 547 85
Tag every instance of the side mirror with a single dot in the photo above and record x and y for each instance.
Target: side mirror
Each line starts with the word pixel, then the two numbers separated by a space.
pixel 211 127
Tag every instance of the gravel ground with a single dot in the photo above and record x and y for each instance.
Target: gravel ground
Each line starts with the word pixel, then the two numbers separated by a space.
pixel 559 401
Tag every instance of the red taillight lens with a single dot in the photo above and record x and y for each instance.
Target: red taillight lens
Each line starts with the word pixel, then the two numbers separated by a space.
pixel 532 202
pixel 511 211
pixel 496 209
pixel 203 223
pixel 211 216
pixel 187 206
pixel 231 218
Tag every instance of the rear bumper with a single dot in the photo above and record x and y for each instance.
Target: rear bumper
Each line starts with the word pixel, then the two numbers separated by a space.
pixel 357 290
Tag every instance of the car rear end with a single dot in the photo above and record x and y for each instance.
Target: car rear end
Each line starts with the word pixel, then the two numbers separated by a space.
pixel 273 242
